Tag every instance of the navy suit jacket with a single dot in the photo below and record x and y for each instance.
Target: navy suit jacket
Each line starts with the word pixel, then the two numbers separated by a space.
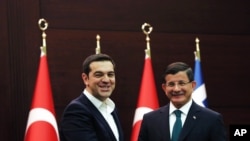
pixel 202 124
pixel 81 121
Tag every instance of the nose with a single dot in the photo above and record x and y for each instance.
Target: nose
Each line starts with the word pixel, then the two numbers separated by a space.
pixel 105 78
pixel 177 87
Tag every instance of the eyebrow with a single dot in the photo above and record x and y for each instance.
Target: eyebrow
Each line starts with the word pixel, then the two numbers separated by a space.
pixel 104 72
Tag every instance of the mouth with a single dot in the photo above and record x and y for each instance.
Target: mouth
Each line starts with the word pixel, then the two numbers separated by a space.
pixel 105 88
pixel 177 94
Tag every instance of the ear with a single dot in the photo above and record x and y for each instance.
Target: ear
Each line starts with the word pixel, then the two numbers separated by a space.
pixel 194 84
pixel 85 78
pixel 163 86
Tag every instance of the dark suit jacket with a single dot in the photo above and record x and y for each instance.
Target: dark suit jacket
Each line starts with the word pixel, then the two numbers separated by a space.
pixel 81 121
pixel 202 124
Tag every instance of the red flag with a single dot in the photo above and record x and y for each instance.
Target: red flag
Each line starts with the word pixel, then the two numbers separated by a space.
pixel 148 99
pixel 42 125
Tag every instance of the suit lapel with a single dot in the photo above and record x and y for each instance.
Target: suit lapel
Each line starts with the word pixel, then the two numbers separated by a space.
pixel 191 119
pixel 115 116
pixel 98 116
pixel 165 123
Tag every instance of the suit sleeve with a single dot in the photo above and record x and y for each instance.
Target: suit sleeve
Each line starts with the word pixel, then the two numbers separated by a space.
pixel 76 124
pixel 143 130
pixel 218 132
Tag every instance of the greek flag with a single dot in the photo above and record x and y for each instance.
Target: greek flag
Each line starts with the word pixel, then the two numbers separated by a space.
pixel 199 95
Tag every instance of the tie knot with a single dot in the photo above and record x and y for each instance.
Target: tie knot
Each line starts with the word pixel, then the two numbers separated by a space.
pixel 177 113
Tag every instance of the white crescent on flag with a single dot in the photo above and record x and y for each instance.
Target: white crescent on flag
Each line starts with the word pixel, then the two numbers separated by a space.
pixel 42 114
pixel 139 112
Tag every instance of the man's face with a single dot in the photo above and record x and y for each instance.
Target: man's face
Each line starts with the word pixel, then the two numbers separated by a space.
pixel 178 88
pixel 100 81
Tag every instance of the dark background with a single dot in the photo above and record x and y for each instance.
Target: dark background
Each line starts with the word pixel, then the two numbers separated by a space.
pixel 223 28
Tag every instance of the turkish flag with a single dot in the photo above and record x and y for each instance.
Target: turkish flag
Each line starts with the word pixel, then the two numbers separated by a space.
pixel 148 100
pixel 42 125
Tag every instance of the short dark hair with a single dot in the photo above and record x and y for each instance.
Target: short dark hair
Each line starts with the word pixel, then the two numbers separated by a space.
pixel 94 58
pixel 176 67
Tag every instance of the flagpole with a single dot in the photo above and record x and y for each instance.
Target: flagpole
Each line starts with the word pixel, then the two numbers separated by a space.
pixel 147 99
pixel 43 25
pixel 98 47
pixel 197 52
pixel 42 124
pixel 144 28
pixel 199 94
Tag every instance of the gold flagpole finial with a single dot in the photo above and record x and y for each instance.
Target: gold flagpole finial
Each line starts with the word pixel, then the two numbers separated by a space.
pixel 43 25
pixel 98 47
pixel 197 52
pixel 147 29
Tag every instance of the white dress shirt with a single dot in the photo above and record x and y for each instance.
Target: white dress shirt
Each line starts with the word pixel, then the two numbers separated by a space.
pixel 106 108
pixel 184 111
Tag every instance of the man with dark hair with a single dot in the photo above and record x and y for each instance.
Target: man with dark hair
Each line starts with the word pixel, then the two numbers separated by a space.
pixel 93 116
pixel 182 119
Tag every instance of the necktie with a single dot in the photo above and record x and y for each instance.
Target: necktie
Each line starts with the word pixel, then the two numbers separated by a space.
pixel 177 126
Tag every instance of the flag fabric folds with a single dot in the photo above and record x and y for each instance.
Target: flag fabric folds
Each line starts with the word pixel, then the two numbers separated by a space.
pixel 199 95
pixel 147 100
pixel 41 124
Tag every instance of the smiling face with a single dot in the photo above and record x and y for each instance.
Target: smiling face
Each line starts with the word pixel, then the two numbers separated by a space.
pixel 100 81
pixel 178 88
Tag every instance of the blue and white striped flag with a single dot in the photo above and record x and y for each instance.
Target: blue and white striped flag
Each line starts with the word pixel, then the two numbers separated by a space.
pixel 199 95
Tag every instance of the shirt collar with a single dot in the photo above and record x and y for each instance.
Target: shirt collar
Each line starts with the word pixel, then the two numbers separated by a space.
pixel 98 103
pixel 184 109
